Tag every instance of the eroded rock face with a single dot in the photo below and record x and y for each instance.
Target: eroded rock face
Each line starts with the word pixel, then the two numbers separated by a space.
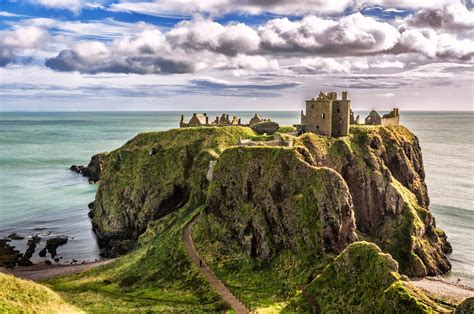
pixel 271 199
pixel 151 176
pixel 383 168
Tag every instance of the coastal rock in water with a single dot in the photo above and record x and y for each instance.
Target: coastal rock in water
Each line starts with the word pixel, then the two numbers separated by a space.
pixel 8 255
pixel 93 169
pixel 270 199
pixel 383 169
pixel 52 246
pixel 15 236
pixel 25 258
pixel 362 279
pixel 138 187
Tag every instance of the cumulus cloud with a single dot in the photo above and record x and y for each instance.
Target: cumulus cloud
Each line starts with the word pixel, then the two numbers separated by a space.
pixel 203 34
pixel 14 41
pixel 96 57
pixel 435 45
pixel 351 35
pixel 454 16
pixel 201 43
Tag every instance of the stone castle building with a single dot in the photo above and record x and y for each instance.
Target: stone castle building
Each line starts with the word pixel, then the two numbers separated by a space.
pixel 389 119
pixel 327 115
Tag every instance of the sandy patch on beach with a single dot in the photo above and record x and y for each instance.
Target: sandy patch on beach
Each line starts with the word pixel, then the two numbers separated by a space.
pixel 42 271
pixel 443 288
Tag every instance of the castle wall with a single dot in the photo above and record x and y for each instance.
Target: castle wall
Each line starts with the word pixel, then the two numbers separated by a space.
pixel 390 121
pixel 341 117
pixel 318 116
pixel 373 118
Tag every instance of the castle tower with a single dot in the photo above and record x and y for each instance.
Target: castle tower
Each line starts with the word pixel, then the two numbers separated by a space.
pixel 327 115
pixel 318 115
pixel 341 113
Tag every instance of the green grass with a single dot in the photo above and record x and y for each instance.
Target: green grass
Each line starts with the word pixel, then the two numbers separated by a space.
pixel 158 277
pixel 24 296
pixel 286 129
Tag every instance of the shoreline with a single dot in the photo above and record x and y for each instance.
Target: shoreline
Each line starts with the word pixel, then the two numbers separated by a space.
pixel 38 272
pixel 444 289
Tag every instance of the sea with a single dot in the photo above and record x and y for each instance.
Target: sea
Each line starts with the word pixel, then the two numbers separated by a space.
pixel 39 195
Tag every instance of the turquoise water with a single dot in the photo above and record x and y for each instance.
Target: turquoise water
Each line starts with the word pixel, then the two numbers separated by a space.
pixel 39 195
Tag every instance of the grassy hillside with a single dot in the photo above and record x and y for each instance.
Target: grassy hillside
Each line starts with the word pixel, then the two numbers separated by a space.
pixel 23 296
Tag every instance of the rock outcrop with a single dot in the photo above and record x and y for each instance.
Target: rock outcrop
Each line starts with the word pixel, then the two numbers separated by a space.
pixel 383 169
pixel 52 246
pixel 271 199
pixel 8 255
pixel 93 170
pixel 153 175
pixel 362 279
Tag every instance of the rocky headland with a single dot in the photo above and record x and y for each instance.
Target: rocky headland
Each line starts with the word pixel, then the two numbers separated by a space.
pixel 323 224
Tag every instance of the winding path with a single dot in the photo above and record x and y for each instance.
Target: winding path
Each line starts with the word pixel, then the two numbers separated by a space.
pixel 211 278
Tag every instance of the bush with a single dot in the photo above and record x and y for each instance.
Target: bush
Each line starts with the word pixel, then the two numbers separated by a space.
pixel 268 127
pixel 286 129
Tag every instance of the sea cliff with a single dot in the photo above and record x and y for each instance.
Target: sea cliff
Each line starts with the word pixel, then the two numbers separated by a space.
pixel 271 220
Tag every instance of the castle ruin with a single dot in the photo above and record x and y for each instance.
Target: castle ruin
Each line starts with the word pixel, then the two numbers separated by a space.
pixel 389 119
pixel 202 119
pixel 327 115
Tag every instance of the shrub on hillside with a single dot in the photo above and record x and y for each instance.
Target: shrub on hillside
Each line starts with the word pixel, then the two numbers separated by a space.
pixel 268 127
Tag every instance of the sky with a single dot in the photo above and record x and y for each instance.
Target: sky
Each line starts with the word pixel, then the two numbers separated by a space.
pixel 217 55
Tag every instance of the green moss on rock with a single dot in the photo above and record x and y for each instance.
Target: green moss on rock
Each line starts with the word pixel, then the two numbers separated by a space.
pixel 271 199
pixel 362 279
pixel 383 169
pixel 155 174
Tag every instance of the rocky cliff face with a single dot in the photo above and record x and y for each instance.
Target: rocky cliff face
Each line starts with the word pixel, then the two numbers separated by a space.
pixel 151 176
pixel 93 169
pixel 271 199
pixel 383 169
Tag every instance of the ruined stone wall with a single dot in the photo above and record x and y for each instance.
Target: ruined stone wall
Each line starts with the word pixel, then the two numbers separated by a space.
pixel 390 121
pixel 318 117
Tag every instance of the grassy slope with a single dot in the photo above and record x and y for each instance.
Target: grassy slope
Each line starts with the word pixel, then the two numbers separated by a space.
pixel 157 276
pixel 23 296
